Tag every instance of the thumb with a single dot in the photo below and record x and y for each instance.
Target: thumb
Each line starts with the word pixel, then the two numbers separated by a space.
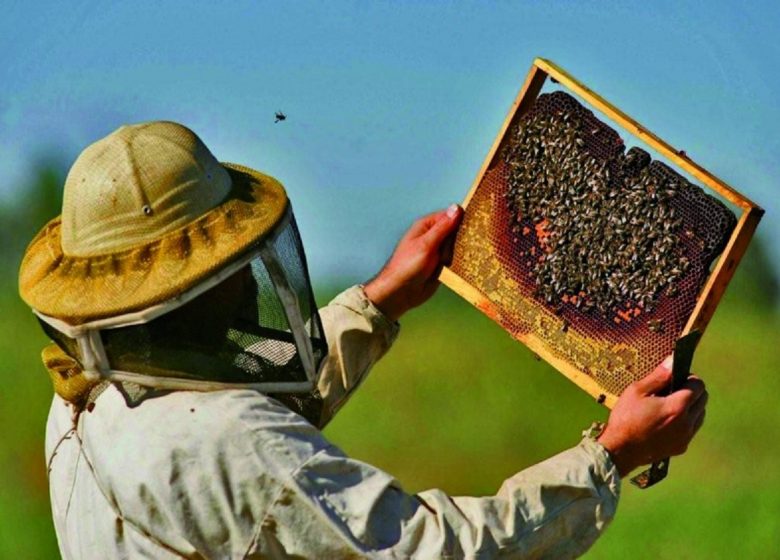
pixel 446 223
pixel 658 380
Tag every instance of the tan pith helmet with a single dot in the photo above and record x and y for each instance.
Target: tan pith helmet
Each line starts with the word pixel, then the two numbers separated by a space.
pixel 148 212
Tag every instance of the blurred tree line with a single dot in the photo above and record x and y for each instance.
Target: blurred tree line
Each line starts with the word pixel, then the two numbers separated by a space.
pixel 33 204
pixel 756 282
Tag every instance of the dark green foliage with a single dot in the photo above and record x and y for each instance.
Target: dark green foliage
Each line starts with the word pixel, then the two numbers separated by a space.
pixel 37 202
pixel 756 282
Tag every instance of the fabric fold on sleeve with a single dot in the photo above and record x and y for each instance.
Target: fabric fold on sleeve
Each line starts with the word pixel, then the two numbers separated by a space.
pixel 358 335
pixel 556 509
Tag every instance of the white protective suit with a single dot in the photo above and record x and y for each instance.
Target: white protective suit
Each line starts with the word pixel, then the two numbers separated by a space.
pixel 234 474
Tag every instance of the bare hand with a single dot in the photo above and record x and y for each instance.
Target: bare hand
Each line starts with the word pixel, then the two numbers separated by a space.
pixel 644 428
pixel 410 277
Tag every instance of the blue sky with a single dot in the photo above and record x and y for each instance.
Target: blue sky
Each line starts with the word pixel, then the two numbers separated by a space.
pixel 392 107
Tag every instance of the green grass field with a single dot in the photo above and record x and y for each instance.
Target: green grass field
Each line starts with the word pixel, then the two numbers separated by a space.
pixel 458 405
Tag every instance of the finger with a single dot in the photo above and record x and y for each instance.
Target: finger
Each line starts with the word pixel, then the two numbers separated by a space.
pixel 697 423
pixel 685 396
pixel 698 406
pixel 421 225
pixel 431 285
pixel 445 225
pixel 658 380
pixel 446 250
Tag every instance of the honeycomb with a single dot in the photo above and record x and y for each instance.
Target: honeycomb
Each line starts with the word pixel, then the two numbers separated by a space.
pixel 496 251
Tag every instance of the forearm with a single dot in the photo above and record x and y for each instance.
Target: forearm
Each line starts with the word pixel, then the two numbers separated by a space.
pixel 555 509
pixel 358 335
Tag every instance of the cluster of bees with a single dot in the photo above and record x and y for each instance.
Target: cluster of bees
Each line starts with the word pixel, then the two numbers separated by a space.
pixel 606 230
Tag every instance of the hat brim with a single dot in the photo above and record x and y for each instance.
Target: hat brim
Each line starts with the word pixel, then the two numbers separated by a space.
pixel 81 289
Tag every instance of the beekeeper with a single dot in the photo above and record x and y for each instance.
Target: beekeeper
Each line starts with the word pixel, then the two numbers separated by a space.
pixel 193 374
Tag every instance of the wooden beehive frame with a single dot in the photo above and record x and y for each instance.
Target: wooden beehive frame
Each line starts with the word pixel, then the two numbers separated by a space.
pixel 719 277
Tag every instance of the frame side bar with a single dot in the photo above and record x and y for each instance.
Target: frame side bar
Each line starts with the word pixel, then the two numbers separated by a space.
pixel 724 270
pixel 677 156
pixel 525 98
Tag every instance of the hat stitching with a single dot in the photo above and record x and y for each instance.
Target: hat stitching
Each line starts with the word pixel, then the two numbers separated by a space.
pixel 204 222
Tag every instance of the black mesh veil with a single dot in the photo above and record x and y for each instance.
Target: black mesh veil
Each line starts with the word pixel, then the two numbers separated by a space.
pixel 258 326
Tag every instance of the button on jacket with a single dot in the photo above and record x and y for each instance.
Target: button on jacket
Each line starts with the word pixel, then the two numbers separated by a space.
pixel 235 474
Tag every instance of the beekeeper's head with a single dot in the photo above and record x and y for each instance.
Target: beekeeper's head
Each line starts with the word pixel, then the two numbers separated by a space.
pixel 172 270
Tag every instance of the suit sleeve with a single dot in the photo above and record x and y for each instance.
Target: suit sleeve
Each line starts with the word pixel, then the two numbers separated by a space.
pixel 334 506
pixel 358 335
